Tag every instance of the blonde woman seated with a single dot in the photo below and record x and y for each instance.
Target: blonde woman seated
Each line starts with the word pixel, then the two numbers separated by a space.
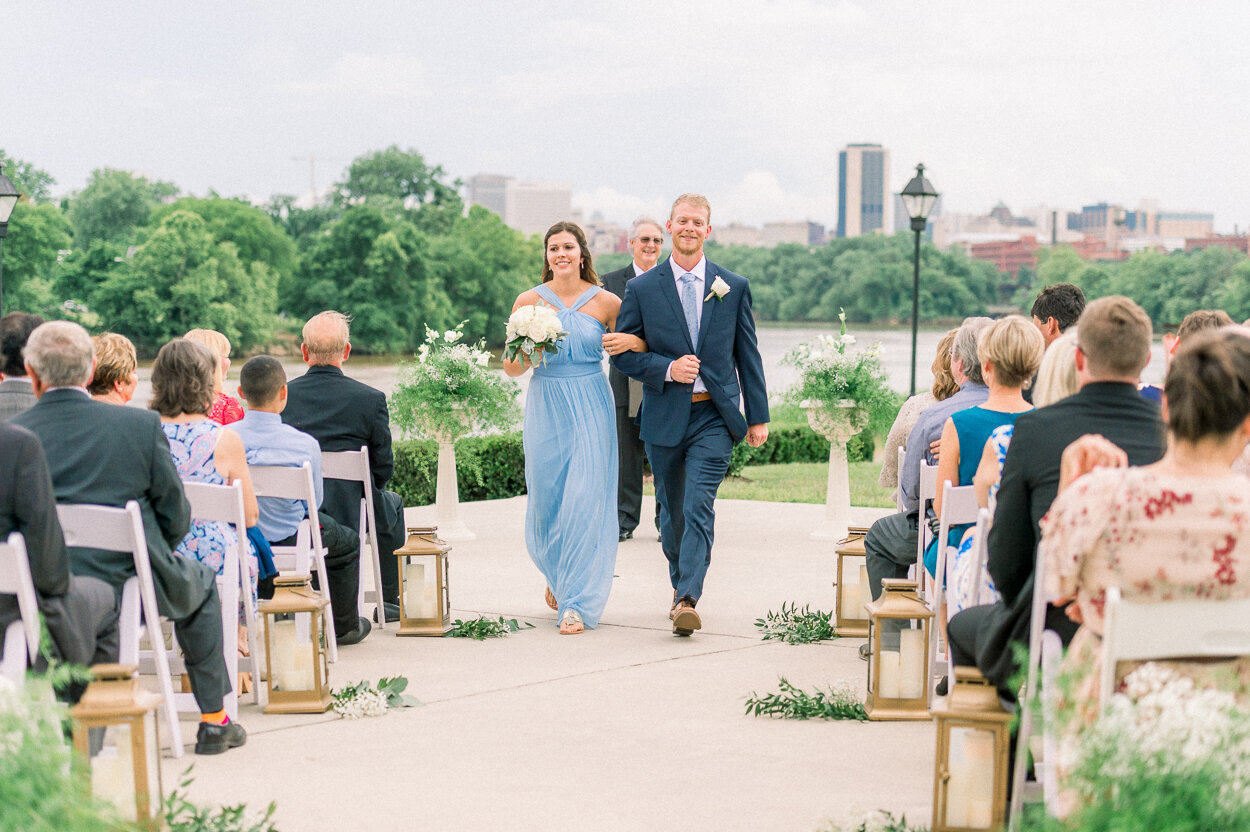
pixel 226 408
pixel 1009 351
pixel 969 584
pixel 1174 530
pixel 943 388
pixel 116 369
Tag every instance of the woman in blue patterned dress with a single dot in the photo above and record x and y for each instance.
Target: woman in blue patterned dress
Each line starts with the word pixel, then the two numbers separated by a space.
pixel 570 435
pixel 203 451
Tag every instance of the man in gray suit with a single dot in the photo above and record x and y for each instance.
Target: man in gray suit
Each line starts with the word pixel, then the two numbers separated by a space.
pixel 646 239
pixel 103 454
pixel 15 392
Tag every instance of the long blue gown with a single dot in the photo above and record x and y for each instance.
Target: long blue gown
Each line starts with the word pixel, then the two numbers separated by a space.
pixel 570 465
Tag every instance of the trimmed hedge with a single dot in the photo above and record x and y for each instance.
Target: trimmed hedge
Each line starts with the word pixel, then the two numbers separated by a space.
pixel 493 467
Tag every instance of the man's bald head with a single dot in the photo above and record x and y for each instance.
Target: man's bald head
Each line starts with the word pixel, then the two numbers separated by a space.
pixel 326 339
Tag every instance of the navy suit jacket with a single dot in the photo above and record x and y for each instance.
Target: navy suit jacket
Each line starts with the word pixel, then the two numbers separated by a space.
pixel 729 356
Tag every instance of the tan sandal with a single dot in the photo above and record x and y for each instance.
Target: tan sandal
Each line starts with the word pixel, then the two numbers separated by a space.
pixel 571 624
pixel 551 599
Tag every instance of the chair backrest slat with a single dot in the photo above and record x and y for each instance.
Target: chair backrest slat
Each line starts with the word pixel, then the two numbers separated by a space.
pixel 16 579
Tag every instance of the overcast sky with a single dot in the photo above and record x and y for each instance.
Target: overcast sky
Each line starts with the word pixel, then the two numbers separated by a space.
pixel 1059 103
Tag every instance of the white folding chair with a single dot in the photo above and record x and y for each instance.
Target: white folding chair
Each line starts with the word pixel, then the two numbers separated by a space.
pixel 224 504
pixel 959 506
pixel 21 637
pixel 121 530
pixel 1045 651
pixel 1145 631
pixel 291 483
pixel 981 550
pixel 928 490
pixel 898 491
pixel 354 466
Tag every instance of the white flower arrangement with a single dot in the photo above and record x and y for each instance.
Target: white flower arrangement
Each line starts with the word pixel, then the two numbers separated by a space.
pixel 830 372
pixel 533 328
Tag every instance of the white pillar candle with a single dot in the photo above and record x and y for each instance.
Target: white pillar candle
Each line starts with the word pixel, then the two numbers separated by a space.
pixel 851 606
pixel 911 681
pixel 889 674
pixel 865 592
pixel 414 589
pixel 957 794
pixel 282 643
pixel 428 606
pixel 113 774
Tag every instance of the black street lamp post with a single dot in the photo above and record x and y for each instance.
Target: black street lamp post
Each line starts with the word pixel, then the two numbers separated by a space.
pixel 8 198
pixel 918 198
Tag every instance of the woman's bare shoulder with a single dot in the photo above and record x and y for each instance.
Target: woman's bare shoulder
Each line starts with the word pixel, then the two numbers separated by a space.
pixel 527 298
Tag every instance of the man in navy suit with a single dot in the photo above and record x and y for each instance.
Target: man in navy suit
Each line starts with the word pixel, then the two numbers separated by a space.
pixel 701 359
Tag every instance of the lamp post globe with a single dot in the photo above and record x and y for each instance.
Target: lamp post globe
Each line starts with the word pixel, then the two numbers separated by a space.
pixel 8 198
pixel 919 197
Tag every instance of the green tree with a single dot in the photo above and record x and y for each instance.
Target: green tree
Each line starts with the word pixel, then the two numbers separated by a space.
pixel 401 174
pixel 181 278
pixel 252 231
pixel 83 271
pixel 37 236
pixel 114 204
pixel 34 184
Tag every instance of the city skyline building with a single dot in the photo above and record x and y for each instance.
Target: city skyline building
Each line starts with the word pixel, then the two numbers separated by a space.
pixel 528 205
pixel 865 200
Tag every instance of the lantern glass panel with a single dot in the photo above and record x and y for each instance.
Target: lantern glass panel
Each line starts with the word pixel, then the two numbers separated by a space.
pixel 421 591
pixel 902 674
pixel 294 656
pixel 113 771
pixel 969 796
pixel 854 590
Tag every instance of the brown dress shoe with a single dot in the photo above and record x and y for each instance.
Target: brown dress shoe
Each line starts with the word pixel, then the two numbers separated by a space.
pixel 685 619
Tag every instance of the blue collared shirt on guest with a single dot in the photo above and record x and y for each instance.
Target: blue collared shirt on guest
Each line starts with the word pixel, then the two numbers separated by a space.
pixel 268 441
pixel 928 429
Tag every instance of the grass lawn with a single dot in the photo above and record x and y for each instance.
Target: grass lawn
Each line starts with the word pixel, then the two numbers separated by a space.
pixel 802 482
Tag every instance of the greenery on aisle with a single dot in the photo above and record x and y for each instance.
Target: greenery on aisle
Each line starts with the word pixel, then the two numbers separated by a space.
pixel 797 626
pixel 878 821
pixel 484 627
pixel 363 699
pixel 834 702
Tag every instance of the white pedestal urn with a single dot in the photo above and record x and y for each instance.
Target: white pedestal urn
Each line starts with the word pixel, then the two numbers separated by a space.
pixel 447 492
pixel 837 424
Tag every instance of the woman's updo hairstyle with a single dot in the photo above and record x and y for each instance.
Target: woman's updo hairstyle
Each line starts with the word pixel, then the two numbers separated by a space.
pixel 1208 385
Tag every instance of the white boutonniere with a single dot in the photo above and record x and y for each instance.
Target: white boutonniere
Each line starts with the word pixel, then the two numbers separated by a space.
pixel 719 288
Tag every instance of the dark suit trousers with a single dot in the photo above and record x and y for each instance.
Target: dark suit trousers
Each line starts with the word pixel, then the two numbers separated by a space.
pixel 629 475
pixel 686 479
pixel 342 570
pixel 890 548
pixel 199 635
pixel 967 630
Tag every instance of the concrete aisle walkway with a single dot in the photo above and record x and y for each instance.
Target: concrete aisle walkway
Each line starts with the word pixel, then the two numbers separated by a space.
pixel 622 728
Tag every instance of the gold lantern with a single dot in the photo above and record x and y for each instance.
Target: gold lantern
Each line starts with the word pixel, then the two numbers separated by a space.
pixel 970 774
pixel 898 662
pixel 126 767
pixel 424 597
pixel 297 674
pixel 853 592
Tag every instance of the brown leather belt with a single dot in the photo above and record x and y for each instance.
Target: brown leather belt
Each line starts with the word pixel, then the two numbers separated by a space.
pixel 700 397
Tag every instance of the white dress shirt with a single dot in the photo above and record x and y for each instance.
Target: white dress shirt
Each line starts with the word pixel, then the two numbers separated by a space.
pixel 699 271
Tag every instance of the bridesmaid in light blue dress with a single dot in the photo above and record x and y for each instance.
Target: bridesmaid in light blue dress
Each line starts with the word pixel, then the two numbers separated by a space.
pixel 570 435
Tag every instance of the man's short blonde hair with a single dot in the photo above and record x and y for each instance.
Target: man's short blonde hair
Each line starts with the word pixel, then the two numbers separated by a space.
pixel 1013 346
pixel 697 200
pixel 1114 337
pixel 326 336
pixel 115 361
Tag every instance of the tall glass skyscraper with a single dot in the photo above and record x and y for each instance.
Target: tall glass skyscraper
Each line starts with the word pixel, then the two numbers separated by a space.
pixel 865 204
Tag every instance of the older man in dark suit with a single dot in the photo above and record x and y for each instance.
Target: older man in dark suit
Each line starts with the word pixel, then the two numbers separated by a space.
pixel 1113 347
pixel 108 455
pixel 15 392
pixel 646 239
pixel 343 414
pixel 81 612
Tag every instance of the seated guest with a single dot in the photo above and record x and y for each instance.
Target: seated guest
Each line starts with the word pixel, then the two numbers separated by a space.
pixel 1200 320
pixel 109 455
pixel 1113 345
pixel 1057 307
pixel 890 546
pixel 116 369
pixel 202 450
pixel 342 415
pixel 15 392
pixel 1171 531
pixel 1009 350
pixel 267 441
pixel 226 408
pixel 1056 379
pixel 80 611
pixel 943 388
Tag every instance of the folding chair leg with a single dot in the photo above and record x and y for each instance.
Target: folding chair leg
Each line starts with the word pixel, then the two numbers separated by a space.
pixel 161 659
pixel 249 614
pixel 332 642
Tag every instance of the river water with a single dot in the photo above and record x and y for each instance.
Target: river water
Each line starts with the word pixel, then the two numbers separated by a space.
pixel 383 372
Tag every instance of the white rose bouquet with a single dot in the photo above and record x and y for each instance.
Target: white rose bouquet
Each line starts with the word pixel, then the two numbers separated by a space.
pixel 532 328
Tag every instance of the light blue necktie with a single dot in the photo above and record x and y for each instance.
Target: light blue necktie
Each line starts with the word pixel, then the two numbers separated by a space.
pixel 688 301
